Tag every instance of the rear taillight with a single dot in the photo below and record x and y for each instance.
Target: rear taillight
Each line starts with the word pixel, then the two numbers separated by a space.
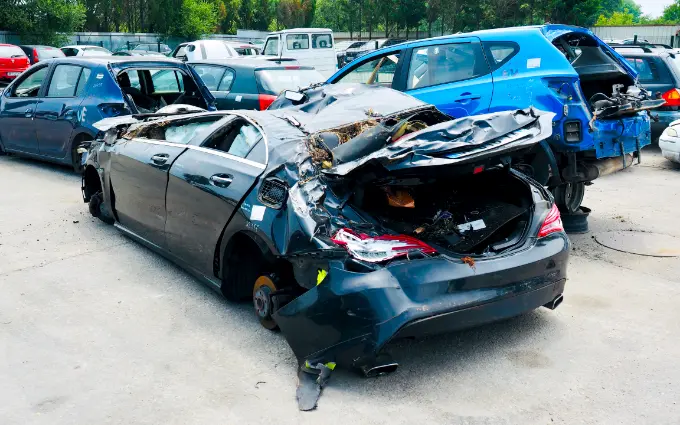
pixel 552 223
pixel 35 55
pixel 375 249
pixel 265 100
pixel 672 97
pixel 109 110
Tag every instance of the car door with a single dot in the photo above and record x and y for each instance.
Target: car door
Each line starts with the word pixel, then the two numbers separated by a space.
pixel 206 185
pixel 219 80
pixel 452 75
pixel 17 109
pixel 139 175
pixel 272 46
pixel 58 112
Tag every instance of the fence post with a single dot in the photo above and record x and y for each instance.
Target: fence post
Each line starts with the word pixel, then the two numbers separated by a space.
pixel 672 40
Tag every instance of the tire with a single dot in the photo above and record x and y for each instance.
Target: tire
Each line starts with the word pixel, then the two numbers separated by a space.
pixel 245 265
pixel 98 208
pixel 569 196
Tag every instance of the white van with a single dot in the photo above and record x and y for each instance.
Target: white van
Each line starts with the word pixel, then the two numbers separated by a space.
pixel 309 46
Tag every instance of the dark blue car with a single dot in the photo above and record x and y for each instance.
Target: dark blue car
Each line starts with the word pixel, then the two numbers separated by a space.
pixel 47 113
pixel 562 69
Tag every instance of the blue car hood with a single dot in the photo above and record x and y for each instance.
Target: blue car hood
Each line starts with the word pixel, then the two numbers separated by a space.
pixel 551 32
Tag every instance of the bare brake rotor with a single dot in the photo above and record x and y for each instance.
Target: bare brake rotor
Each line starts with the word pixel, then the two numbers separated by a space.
pixel 265 305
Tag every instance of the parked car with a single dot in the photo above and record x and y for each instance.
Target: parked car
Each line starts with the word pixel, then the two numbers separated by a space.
pixel 212 49
pixel 37 53
pixel 136 53
pixel 309 46
pixel 669 142
pixel 659 72
pixel 563 69
pixel 82 50
pixel 252 84
pixel 13 61
pixel 161 48
pixel 344 247
pixel 340 48
pixel 49 111
pixel 362 47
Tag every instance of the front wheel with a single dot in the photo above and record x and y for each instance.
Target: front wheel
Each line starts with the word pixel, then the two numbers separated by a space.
pixel 569 196
pixel 98 208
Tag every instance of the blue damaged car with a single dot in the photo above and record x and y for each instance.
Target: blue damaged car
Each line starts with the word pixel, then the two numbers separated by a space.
pixel 48 112
pixel 601 120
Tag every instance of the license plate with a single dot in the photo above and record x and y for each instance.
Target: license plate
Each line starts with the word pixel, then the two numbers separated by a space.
pixel 13 74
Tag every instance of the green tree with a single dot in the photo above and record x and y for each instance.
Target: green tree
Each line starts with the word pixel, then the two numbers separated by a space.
pixel 617 18
pixel 42 21
pixel 671 13
pixel 197 18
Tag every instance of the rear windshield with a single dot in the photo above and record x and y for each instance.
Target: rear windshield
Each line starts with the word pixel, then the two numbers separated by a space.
pixel 95 51
pixel 246 51
pixel 274 81
pixel 11 51
pixel 49 52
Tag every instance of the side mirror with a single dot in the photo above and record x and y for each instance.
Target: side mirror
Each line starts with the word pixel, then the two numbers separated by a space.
pixel 294 96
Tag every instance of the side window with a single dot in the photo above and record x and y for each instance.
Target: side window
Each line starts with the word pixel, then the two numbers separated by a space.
pixel 445 63
pixel 378 70
pixel 647 72
pixel 181 52
pixel 500 52
pixel 258 152
pixel 297 41
pixel 167 81
pixel 210 74
pixel 321 41
pixel 134 79
pixel 238 138
pixel 227 81
pixel 82 81
pixel 272 46
pixel 30 85
pixel 64 81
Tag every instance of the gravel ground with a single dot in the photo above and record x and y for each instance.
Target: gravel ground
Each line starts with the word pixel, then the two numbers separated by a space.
pixel 96 329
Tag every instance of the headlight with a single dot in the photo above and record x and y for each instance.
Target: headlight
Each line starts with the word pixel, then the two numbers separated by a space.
pixel 670 131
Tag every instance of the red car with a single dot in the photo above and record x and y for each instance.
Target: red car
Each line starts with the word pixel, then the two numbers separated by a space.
pixel 13 61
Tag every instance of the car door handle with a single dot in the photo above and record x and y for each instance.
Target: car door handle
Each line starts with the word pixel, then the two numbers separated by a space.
pixel 160 159
pixel 221 180
pixel 468 96
pixel 28 113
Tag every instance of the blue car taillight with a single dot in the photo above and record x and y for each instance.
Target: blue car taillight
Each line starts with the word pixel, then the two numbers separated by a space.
pixel 109 110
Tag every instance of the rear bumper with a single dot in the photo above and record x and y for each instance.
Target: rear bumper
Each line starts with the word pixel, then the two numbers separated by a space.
pixel 10 74
pixel 350 317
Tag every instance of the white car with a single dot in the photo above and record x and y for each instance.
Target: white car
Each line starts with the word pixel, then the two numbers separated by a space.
pixel 669 142
pixel 213 49
pixel 83 50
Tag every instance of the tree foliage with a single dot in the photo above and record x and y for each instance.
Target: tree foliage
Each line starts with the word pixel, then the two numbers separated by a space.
pixel 42 21
pixel 46 19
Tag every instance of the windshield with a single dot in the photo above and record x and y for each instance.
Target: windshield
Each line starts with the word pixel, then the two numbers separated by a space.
pixel 356 45
pixel 274 81
pixel 11 52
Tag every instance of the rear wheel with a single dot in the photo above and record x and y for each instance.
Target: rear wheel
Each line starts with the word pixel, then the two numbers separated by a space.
pixel 569 196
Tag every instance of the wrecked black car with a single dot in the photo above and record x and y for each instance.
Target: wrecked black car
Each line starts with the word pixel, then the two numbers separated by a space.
pixel 351 221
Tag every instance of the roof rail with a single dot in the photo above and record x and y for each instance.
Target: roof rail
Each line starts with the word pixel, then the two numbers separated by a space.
pixel 644 47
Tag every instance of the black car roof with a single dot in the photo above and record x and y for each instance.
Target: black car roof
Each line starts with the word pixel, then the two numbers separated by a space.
pixel 250 63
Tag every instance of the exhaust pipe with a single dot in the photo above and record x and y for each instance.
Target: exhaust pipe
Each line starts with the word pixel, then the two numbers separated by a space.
pixel 552 305
pixel 382 365
pixel 607 166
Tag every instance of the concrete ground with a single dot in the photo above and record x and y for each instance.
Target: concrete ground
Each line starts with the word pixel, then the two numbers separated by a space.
pixel 96 329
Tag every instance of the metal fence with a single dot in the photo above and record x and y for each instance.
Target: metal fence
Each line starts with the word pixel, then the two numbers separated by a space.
pixel 666 34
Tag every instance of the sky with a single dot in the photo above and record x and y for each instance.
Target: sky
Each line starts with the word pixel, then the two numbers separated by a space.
pixel 653 8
